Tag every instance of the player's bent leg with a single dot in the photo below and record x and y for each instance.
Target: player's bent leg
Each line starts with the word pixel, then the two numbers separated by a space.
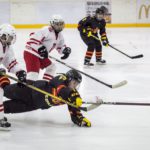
pixel 98 55
pixel 13 91
pixel 90 49
pixel 4 124
pixel 88 55
pixel 49 72
pixel 32 65
pixel 17 106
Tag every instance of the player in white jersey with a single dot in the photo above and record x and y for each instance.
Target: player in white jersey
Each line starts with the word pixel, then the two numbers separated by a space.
pixel 40 44
pixel 7 58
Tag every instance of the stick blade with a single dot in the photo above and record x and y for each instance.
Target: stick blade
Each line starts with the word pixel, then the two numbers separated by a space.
pixel 90 107
pixel 122 83
pixel 93 106
pixel 138 56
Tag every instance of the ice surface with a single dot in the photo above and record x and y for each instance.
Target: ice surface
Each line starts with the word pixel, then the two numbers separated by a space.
pixel 113 127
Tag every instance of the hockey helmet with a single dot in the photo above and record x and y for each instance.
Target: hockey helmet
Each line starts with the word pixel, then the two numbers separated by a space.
pixel 74 75
pixel 99 10
pixel 99 13
pixel 57 23
pixel 8 33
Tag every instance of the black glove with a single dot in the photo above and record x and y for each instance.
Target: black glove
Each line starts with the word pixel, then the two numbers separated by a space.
pixel 66 51
pixel 105 41
pixel 43 52
pixel 2 71
pixel 21 75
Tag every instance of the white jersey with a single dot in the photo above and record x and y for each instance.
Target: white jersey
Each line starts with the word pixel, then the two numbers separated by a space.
pixel 47 37
pixel 8 59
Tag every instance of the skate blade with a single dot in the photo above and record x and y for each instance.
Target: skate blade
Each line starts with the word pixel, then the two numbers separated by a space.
pixel 2 129
pixel 100 63
pixel 88 67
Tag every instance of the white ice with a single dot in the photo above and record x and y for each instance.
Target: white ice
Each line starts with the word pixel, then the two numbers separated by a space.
pixel 113 127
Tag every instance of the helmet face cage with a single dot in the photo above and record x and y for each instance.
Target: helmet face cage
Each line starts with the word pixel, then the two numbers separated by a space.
pixel 7 34
pixel 74 75
pixel 57 23
pixel 99 13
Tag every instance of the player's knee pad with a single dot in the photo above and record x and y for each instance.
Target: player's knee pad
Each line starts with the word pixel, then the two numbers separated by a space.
pixel 32 76
pixel 4 81
pixel 98 47
pixel 91 46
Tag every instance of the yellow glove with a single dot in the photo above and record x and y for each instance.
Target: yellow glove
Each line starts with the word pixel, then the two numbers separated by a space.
pixel 78 101
pixel 85 123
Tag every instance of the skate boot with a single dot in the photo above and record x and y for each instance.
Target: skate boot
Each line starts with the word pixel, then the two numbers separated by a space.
pixel 4 124
pixel 100 62
pixel 88 64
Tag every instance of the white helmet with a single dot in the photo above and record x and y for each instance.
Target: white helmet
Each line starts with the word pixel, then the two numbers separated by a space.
pixel 8 31
pixel 57 23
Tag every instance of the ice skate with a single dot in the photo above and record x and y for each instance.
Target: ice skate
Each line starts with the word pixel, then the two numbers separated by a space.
pixel 101 62
pixel 4 124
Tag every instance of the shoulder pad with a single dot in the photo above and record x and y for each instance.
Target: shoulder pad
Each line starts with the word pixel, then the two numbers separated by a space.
pixel 62 77
pixel 84 19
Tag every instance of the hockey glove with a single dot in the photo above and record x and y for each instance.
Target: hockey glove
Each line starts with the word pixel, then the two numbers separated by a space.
pixel 66 51
pixel 2 71
pixel 85 123
pixel 43 52
pixel 105 41
pixel 3 79
pixel 81 121
pixel 21 75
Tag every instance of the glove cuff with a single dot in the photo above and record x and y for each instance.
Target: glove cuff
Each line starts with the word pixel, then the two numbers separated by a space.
pixel 4 81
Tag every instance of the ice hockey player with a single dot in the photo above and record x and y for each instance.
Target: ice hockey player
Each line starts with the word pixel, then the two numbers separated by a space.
pixel 7 58
pixel 63 85
pixel 93 25
pixel 40 44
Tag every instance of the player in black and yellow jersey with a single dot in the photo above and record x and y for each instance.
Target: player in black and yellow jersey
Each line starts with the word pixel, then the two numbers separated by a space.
pixel 64 86
pixel 93 25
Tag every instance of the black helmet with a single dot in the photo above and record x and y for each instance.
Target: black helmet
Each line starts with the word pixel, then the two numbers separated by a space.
pixel 74 75
pixel 105 9
pixel 100 11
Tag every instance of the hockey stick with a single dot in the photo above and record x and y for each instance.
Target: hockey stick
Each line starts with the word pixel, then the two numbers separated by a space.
pixel 89 108
pixel 118 103
pixel 106 84
pixel 132 57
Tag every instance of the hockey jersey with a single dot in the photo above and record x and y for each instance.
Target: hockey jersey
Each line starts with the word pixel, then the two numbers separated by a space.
pixel 93 23
pixel 8 59
pixel 47 37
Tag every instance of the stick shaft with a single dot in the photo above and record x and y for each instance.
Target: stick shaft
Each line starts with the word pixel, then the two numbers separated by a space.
pixel 132 57
pixel 46 93
pixel 126 103
pixel 119 103
pixel 104 83
pixel 119 51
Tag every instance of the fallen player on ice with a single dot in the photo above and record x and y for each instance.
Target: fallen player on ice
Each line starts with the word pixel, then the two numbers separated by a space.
pixel 25 99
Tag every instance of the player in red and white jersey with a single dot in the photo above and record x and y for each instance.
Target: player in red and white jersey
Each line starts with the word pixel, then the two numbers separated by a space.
pixel 7 58
pixel 40 44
